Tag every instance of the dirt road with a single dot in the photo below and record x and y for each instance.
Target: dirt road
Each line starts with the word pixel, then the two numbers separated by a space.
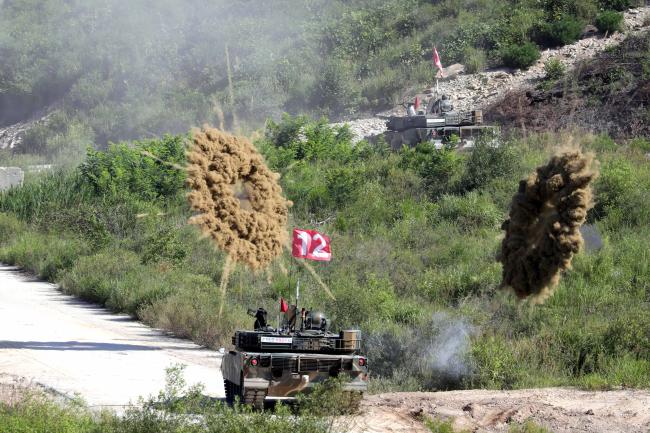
pixel 73 347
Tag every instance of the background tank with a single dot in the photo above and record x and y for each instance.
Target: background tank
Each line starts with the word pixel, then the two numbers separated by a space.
pixel 437 122
pixel 281 363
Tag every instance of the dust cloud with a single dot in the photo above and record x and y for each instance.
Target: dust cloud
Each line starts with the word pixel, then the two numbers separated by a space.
pixel 449 347
pixel 543 229
pixel 218 165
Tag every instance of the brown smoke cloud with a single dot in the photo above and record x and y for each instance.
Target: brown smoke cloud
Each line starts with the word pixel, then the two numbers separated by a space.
pixel 238 199
pixel 543 229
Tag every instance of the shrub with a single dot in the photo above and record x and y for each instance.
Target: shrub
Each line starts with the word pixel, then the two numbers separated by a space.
pixel 528 426
pixel 440 168
pixel 488 162
pixel 520 56
pixel 554 69
pixel 469 212
pixel 618 5
pixel 610 22
pixel 474 60
pixel 336 89
pixel 641 143
pixel 495 364
pixel 147 169
pixel 10 227
pixel 44 254
pixel 561 32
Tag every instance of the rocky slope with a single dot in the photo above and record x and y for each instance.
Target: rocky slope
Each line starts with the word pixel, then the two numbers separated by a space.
pixel 480 90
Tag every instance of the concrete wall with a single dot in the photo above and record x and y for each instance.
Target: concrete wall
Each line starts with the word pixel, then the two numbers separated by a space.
pixel 10 176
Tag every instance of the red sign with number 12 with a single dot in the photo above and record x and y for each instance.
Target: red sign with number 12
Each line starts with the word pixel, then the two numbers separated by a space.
pixel 309 244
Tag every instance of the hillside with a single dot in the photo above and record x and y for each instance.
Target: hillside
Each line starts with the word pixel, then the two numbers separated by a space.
pixel 608 93
pixel 109 93
pixel 93 75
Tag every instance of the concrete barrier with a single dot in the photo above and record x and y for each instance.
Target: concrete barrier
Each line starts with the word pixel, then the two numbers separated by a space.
pixel 10 177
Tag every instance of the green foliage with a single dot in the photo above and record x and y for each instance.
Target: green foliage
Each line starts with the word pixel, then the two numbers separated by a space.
pixel 495 365
pixel 10 226
pixel 520 56
pixel 564 31
pixel 554 69
pixel 439 168
pixel 414 232
pixel 474 60
pixel 149 169
pixel 609 21
pixel 319 57
pixel 44 254
pixel 528 427
pixel 436 425
pixel 618 5
pixel 176 409
pixel 488 162
pixel 641 143
pixel 335 89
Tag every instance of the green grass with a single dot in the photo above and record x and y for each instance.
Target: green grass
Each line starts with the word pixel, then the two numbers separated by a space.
pixel 407 251
pixel 176 409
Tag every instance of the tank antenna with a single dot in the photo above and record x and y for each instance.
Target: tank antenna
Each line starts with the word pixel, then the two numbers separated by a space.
pixel 297 292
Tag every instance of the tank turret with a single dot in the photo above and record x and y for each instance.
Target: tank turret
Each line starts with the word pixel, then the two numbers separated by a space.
pixel 437 123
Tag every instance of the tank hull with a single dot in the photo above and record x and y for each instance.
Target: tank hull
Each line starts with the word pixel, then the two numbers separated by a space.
pixel 414 136
pixel 284 375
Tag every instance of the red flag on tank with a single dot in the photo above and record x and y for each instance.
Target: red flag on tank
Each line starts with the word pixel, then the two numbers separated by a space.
pixel 437 62
pixel 309 244
pixel 283 305
pixel 416 104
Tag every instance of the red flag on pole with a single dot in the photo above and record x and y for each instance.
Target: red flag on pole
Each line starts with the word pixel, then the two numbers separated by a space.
pixel 309 244
pixel 416 105
pixel 437 62
pixel 283 305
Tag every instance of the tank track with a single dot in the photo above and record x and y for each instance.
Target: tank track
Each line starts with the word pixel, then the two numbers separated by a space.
pixel 253 397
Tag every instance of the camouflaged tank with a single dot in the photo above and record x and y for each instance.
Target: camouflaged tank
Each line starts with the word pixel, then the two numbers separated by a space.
pixel 282 363
pixel 436 122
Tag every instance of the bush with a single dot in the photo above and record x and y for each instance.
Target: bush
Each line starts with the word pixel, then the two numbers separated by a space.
pixel 148 169
pixel 495 364
pixel 618 5
pixel 610 22
pixel 440 168
pixel 554 69
pixel 561 32
pixel 488 162
pixel 10 227
pixel 520 56
pixel 44 254
pixel 474 60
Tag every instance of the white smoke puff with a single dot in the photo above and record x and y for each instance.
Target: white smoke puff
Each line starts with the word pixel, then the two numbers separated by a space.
pixel 447 352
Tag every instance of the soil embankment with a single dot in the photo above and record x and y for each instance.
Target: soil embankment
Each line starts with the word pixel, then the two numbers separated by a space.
pixel 560 410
